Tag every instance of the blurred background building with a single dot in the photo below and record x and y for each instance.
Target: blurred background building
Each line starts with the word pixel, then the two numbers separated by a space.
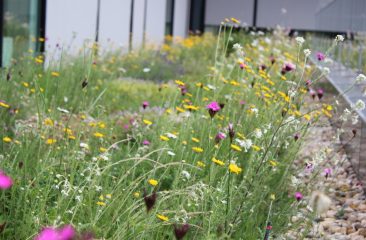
pixel 41 25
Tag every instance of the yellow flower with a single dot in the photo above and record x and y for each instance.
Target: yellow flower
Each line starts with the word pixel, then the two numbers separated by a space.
pixel 195 140
pixel 307 117
pixel 101 125
pixel 2 104
pixel 68 131
pixel 25 84
pixel 98 135
pixel 101 203
pixel 72 137
pixel 197 149
pixel 101 197
pixel 273 163
pixel 7 139
pixel 234 168
pixel 234 20
pixel 136 194
pixel 181 110
pixel 102 149
pixel 147 122
pixel 55 74
pixel 201 164
pixel 109 196
pixel 164 138
pixel 218 162
pixel 153 182
pixel 235 147
pixel 51 141
pixel 179 82
pixel 48 122
pixel 184 142
pixel 256 148
pixel 272 197
pixel 162 217
pixel 191 107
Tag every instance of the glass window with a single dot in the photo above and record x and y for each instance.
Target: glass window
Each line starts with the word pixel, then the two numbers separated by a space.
pixel 20 28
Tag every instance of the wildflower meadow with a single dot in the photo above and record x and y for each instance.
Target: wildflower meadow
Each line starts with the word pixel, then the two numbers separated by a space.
pixel 197 138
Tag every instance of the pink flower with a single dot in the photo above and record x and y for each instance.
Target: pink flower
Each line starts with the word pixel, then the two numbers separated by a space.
pixel 213 108
pixel 145 104
pixel 242 65
pixel 288 67
pixel 146 142
pixel 298 196
pixel 5 181
pixel 65 233
pixel 327 172
pixel 220 136
pixel 312 93
pixel 320 56
pixel 320 93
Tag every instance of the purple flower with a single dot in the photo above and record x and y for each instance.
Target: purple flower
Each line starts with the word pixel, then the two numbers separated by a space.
pixel 183 90
pixel 296 136
pixel 220 136
pixel 320 56
pixel 65 233
pixel 181 231
pixel 327 172
pixel 213 108
pixel 150 200
pixel 288 67
pixel 320 93
pixel 231 132
pixel 298 196
pixel 309 167
pixel 5 181
pixel 312 93
pixel 146 142
pixel 242 65
pixel 272 59
pixel 242 102
pixel 145 104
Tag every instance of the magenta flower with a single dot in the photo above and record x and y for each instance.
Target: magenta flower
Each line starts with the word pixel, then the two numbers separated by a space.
pixel 146 142
pixel 296 136
pixel 288 67
pixel 298 196
pixel 242 65
pixel 242 102
pixel 65 233
pixel 327 172
pixel 181 231
pixel 320 93
pixel 213 108
pixel 220 136
pixel 145 104
pixel 320 56
pixel 272 59
pixel 309 167
pixel 5 181
pixel 231 132
pixel 312 93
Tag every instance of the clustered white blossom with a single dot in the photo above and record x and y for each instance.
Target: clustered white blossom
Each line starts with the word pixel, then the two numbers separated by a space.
pixel 307 52
pixel 360 105
pixel 360 78
pixel 300 40
pixel 246 143
pixel 339 38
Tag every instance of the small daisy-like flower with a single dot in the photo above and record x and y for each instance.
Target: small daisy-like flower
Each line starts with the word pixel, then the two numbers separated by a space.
pixel 147 122
pixel 162 217
pixel 201 164
pixel 360 78
pixel 98 135
pixel 197 149
pixel 218 162
pixel 153 182
pixel 7 139
pixel 235 147
pixel 235 168
pixel 48 122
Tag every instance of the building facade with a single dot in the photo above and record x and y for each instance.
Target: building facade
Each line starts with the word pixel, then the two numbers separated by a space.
pixel 127 24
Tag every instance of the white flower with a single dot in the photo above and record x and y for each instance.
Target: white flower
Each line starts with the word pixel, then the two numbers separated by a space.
pixel 171 135
pixel 171 153
pixel 62 110
pixel 307 52
pixel 186 174
pixel 237 47
pixel 84 145
pixel 326 70
pixel 146 70
pixel 360 78
pixel 211 87
pixel 300 40
pixel 246 143
pixel 360 105
pixel 258 133
pixel 339 38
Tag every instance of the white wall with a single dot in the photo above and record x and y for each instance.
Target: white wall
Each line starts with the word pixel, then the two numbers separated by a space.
pixel 155 24
pixel 181 18
pixel 218 10
pixel 114 25
pixel 70 22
